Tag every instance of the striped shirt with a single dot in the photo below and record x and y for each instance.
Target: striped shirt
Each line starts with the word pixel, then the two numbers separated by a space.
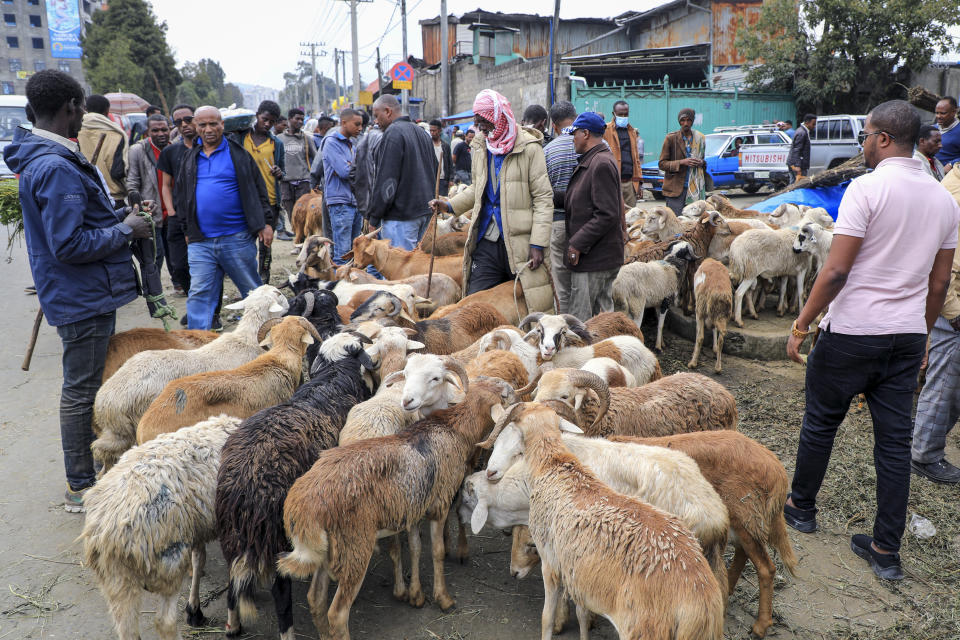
pixel 561 161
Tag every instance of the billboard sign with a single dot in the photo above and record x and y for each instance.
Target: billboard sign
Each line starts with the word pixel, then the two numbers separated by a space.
pixel 63 22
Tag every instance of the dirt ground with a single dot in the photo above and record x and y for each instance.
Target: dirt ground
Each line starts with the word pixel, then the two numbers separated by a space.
pixel 46 593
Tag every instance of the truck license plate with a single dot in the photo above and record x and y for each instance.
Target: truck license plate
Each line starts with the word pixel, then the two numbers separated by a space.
pixel 761 174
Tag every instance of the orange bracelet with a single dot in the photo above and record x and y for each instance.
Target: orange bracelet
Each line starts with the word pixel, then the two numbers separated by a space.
pixel 797 333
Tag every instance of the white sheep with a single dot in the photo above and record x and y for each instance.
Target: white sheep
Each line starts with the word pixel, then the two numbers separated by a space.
pixel 615 374
pixel 815 240
pixel 123 399
pixel 148 519
pixel 760 253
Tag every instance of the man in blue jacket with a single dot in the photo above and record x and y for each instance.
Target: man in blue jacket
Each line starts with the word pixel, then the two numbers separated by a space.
pixel 79 256
pixel 338 158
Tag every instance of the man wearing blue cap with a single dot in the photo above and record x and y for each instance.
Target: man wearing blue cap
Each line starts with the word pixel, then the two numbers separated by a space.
pixel 594 217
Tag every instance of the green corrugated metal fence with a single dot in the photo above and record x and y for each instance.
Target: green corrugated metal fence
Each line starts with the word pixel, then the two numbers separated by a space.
pixel 654 107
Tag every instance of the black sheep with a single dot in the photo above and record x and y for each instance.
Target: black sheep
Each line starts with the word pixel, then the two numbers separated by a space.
pixel 319 306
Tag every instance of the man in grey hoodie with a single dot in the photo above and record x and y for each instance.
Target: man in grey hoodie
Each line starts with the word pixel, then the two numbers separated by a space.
pixel 299 150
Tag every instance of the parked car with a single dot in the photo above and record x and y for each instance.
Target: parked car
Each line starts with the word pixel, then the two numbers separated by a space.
pixel 12 116
pixel 721 153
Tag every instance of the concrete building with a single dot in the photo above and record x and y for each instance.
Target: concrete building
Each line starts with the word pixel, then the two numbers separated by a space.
pixel 254 94
pixel 42 34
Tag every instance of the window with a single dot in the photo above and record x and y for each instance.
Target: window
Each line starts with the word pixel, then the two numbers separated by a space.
pixel 7 88
pixel 846 130
pixel 64 66
pixel 10 19
pixel 14 64
pixel 35 3
pixel 835 130
pixel 37 43
pixel 35 20
pixel 820 132
pixel 7 1
pixel 39 65
pixel 13 42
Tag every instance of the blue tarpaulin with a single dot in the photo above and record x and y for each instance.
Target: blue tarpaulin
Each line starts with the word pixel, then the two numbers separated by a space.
pixel 826 197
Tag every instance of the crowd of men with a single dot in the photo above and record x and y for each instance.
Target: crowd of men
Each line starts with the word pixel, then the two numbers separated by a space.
pixel 549 213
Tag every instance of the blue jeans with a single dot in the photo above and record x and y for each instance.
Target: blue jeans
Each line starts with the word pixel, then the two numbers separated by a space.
pixel 404 234
pixel 885 369
pixel 346 224
pixel 84 355
pixel 235 255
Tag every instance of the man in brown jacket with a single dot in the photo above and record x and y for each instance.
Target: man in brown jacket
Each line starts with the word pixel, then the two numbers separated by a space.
pixel 682 162
pixel 627 151
pixel 595 225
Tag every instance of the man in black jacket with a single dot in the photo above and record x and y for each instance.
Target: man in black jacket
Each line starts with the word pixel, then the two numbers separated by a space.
pixel 223 199
pixel 798 161
pixel 442 150
pixel 406 158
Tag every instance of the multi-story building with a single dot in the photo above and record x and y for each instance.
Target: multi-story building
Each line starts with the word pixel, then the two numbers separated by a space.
pixel 41 34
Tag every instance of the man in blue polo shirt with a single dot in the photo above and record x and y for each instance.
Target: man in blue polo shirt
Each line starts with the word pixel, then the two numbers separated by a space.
pixel 946 116
pixel 224 202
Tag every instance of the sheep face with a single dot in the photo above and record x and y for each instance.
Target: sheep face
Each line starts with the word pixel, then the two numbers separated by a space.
pixel 315 253
pixel 507 451
pixel 556 385
pixel 523 553
pixel 654 223
pixel 695 209
pixel 552 332
pixel 399 302
pixel 806 238
pixel 263 294
pixel 429 385
pixel 785 215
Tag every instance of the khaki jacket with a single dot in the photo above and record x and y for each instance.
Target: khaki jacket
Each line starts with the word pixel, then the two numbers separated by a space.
pixel 951 306
pixel 112 160
pixel 613 141
pixel 526 208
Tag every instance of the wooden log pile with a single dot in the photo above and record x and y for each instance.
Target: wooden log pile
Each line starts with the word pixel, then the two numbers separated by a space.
pixel 923 99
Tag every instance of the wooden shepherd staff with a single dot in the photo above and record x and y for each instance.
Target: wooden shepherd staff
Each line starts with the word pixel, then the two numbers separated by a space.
pixel 28 356
pixel 436 219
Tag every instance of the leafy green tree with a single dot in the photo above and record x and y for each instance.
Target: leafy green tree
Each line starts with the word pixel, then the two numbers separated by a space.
pixel 204 83
pixel 134 21
pixel 116 70
pixel 844 55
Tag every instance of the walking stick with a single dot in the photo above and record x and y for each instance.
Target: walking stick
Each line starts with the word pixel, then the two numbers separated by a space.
pixel 33 340
pixel 436 219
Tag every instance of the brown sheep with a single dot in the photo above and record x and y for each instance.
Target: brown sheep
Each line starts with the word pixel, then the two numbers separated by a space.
pixel 395 264
pixel 125 344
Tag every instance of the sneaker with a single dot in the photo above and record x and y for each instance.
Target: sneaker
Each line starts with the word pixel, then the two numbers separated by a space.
pixel 885 565
pixel 216 326
pixel 183 320
pixel 284 235
pixel 803 520
pixel 73 500
pixel 940 471
pixel 30 291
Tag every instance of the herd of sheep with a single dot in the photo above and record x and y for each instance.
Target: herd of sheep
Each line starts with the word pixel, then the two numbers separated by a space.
pixel 327 421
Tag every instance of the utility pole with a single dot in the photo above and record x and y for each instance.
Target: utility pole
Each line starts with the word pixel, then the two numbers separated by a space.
pixel 444 62
pixel 379 73
pixel 313 71
pixel 405 95
pixel 343 65
pixel 554 36
pixel 356 52
pixel 336 73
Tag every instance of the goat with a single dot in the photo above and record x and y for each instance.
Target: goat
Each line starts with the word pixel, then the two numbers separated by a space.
pixel 148 520
pixel 679 403
pixel 727 210
pixel 125 396
pixel 260 383
pixel 124 345
pixel 314 258
pixel 260 462
pixel 299 282
pixel 616 556
pixel 366 493
pixel 306 218
pixel 395 263
pixel 713 297
pixel 753 484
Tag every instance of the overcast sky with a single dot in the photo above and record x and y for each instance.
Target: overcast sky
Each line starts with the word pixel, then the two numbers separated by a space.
pixel 258 45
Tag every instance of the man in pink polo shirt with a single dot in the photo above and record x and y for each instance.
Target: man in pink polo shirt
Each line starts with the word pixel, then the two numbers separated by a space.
pixel 885 280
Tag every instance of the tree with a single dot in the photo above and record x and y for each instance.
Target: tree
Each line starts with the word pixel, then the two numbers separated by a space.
pixel 132 20
pixel 296 91
pixel 844 55
pixel 204 83
pixel 116 71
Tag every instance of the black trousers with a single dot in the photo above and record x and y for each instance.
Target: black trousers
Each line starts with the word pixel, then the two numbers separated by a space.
pixel 265 253
pixel 490 266
pixel 176 251
pixel 885 369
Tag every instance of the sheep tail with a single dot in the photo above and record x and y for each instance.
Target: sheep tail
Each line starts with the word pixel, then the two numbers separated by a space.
pixel 304 560
pixel 780 541
pixel 701 619
pixel 720 306
pixel 243 579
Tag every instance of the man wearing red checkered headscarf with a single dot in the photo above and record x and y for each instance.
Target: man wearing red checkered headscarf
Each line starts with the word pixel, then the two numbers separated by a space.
pixel 513 200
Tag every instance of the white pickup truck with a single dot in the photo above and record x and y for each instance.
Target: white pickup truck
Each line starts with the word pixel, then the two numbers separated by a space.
pixel 833 141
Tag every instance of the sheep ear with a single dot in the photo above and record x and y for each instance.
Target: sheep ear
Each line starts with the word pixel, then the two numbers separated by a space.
pixel 268 341
pixel 347 256
pixel 479 517
pixel 569 427
pixel 578 400
pixel 413 344
pixel 274 308
pixel 235 306
pixel 496 412
pixel 307 338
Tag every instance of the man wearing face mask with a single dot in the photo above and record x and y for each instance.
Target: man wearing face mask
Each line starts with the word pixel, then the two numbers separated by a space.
pixel 511 195
pixel 627 148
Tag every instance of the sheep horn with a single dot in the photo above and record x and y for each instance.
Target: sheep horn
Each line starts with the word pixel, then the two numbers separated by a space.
pixel 364 358
pixel 563 410
pixel 393 377
pixel 365 339
pixel 373 233
pixel 311 300
pixel 507 417
pixel 573 321
pixel 452 365
pixel 592 381
pixel 323 240
pixel 522 391
pixel 265 328
pixel 533 317
pixel 312 330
